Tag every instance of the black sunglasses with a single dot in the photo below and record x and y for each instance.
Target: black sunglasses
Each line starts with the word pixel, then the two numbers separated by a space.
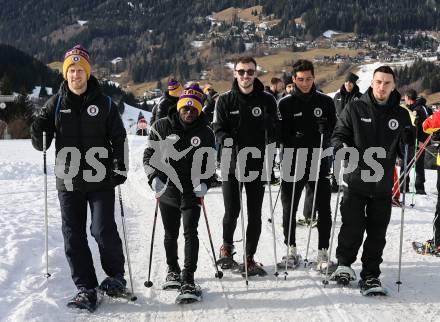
pixel 241 72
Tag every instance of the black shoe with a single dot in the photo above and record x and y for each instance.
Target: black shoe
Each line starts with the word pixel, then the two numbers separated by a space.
pixel 173 279
pixel 420 192
pixel 189 293
pixel 114 286
pixel 85 299
pixel 371 286
pixel 369 282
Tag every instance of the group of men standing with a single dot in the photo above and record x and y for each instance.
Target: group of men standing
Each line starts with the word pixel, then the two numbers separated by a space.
pixel 244 120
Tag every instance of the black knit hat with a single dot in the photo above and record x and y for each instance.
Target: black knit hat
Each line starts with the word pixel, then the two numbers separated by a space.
pixel 350 77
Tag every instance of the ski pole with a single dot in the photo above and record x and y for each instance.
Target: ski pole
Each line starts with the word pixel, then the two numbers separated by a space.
pixel 413 170
pixel 243 233
pixel 46 221
pixel 149 283
pixel 269 220
pixel 133 297
pixel 402 216
pixel 409 165
pixel 314 198
pixel 218 274
pixel 340 178
pixel 415 158
pixel 292 199
pixel 271 208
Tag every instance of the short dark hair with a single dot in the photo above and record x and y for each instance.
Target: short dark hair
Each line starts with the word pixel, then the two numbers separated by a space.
pixel 302 65
pixel 275 80
pixel 245 60
pixel 411 93
pixel 385 69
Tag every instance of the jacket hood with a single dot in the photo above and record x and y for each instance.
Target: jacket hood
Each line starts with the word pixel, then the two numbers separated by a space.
pixel 176 123
pixel 344 92
pixel 393 100
pixel 305 97
pixel 258 86
pixel 93 88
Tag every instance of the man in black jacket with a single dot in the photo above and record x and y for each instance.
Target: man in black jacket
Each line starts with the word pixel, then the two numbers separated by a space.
pixel 167 101
pixel 91 159
pixel 421 112
pixel 374 121
pixel 246 114
pixel 348 92
pixel 179 196
pixel 307 115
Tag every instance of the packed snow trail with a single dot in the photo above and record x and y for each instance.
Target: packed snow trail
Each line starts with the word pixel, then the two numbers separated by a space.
pixel 25 295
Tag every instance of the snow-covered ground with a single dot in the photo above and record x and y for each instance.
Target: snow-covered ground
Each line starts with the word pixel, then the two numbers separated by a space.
pixel 26 295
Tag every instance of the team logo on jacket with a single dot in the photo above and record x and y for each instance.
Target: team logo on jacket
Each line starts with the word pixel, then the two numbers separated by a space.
pixel 92 110
pixel 318 112
pixel 256 111
pixel 195 141
pixel 393 124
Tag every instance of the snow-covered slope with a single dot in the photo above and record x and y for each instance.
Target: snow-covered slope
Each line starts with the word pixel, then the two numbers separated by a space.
pixel 25 295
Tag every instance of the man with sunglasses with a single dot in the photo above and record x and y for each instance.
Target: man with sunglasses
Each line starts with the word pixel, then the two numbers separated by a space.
pixel 189 125
pixel 247 115
pixel 307 116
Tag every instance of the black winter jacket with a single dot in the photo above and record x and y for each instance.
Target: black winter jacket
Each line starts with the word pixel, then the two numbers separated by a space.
pixel 245 119
pixel 195 135
pixel 161 109
pixel 364 124
pixel 299 115
pixel 422 113
pixel 342 98
pixel 82 122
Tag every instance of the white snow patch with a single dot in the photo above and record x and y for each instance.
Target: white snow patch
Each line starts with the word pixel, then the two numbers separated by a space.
pixel 330 33
pixel 116 60
pixel 197 43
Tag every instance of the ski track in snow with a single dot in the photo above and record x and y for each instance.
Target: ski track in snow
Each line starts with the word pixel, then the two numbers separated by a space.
pixel 25 295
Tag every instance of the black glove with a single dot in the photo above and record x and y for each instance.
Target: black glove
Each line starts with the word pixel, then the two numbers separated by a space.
pixel 116 177
pixel 436 137
pixel 408 136
pixel 41 123
pixel 322 125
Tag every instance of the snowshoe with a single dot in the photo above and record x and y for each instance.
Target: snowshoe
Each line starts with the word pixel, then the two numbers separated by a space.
pixel 426 248
pixel 292 262
pixel 306 222
pixel 322 261
pixel 343 275
pixel 85 299
pixel 189 293
pixel 114 286
pixel 173 281
pixel 226 260
pixel 253 268
pixel 372 287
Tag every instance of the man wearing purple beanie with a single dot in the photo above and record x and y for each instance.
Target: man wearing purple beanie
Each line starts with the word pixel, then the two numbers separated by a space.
pixel 87 124
pixel 167 101
pixel 180 197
